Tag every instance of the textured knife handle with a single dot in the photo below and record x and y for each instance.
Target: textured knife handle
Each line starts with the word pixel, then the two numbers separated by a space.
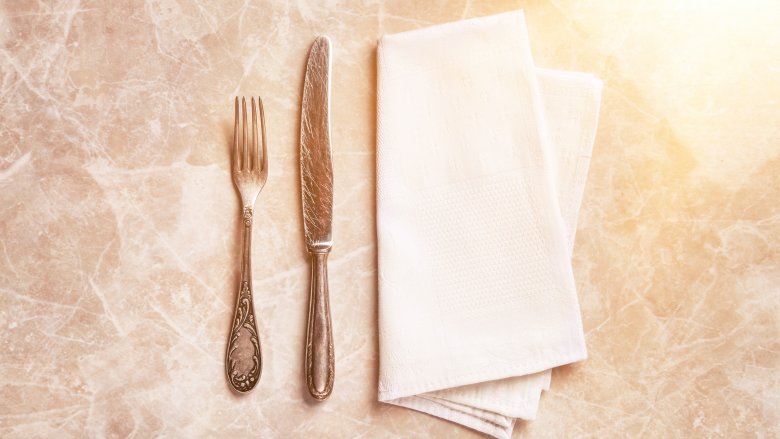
pixel 319 367
pixel 243 360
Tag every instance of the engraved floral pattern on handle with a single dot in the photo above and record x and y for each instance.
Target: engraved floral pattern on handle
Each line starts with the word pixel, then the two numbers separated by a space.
pixel 243 358
pixel 248 217
pixel 239 352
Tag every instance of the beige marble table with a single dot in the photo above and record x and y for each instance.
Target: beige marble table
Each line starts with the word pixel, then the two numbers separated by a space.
pixel 119 227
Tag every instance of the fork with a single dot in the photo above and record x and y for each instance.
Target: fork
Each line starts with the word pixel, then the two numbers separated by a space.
pixel 243 360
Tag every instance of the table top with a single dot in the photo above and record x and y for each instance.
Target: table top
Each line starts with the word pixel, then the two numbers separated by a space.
pixel 119 227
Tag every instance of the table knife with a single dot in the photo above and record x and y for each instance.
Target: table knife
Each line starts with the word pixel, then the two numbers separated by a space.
pixel 317 200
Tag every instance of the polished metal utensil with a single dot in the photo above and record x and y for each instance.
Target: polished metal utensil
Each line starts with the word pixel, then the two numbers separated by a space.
pixel 317 194
pixel 243 360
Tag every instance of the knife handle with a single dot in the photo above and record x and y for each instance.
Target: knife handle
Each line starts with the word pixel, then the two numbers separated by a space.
pixel 319 362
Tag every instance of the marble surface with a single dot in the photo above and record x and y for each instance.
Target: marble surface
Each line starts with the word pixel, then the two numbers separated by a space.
pixel 119 227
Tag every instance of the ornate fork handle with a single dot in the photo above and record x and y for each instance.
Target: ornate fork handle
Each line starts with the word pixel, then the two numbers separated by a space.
pixel 243 360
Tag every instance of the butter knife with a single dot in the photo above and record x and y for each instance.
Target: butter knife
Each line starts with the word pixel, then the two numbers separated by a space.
pixel 317 198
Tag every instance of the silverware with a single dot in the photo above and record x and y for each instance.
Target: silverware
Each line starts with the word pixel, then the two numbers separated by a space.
pixel 317 194
pixel 243 360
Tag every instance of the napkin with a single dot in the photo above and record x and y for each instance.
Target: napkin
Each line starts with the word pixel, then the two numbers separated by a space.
pixel 482 160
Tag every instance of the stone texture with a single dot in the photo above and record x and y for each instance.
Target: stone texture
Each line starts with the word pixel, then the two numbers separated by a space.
pixel 119 224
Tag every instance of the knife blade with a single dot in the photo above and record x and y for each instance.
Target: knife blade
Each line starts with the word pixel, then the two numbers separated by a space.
pixel 317 203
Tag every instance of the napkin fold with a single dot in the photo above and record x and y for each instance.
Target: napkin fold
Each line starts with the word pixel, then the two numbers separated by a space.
pixel 482 160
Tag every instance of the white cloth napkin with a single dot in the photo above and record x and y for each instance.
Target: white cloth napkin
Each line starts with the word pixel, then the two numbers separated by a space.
pixel 481 165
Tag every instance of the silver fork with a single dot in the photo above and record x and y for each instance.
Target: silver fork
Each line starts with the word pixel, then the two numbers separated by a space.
pixel 243 360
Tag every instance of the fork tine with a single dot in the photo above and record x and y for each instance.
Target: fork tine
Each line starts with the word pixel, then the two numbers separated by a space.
pixel 236 157
pixel 253 154
pixel 262 158
pixel 245 147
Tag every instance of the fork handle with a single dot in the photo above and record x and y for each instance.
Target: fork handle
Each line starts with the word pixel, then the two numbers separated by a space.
pixel 243 360
pixel 319 363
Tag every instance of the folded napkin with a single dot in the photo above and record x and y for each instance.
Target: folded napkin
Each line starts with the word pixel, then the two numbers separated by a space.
pixel 481 165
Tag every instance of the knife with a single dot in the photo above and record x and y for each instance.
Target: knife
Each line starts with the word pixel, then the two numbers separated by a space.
pixel 317 198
